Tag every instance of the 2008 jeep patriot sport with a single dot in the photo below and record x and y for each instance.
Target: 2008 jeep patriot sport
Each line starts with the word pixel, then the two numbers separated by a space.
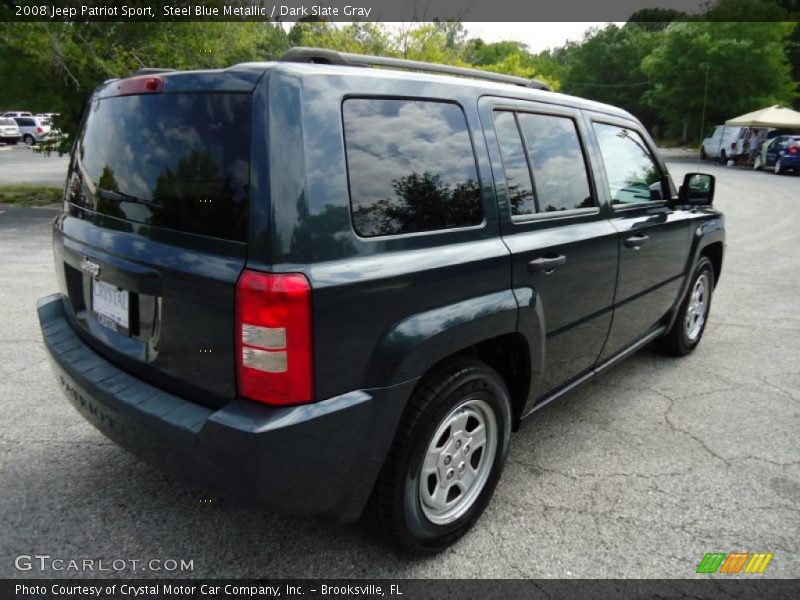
pixel 338 289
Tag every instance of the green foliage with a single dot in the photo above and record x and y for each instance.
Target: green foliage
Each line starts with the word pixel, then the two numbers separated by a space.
pixel 655 19
pixel 746 64
pixel 29 195
pixel 606 67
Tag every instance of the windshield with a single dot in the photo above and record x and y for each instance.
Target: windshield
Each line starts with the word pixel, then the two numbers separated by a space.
pixel 180 161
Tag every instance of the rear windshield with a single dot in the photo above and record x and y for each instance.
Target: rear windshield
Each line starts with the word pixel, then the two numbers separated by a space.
pixel 5 121
pixel 179 161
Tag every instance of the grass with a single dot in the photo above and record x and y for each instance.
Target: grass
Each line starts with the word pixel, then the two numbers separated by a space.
pixel 29 195
pixel 677 143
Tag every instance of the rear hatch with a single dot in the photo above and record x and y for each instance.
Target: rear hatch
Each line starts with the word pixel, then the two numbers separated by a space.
pixel 153 235
pixel 8 127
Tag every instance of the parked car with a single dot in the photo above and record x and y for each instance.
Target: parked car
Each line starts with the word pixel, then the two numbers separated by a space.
pixel 9 132
pixel 338 291
pixel 34 129
pixel 722 143
pixel 781 154
pixel 17 113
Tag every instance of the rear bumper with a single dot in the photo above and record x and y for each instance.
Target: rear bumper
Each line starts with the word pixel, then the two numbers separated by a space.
pixel 320 458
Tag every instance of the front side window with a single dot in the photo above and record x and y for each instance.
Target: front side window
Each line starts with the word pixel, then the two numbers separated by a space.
pixel 633 176
pixel 411 166
pixel 559 169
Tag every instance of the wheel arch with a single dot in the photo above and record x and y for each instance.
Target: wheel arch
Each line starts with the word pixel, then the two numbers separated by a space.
pixel 714 252
pixel 484 328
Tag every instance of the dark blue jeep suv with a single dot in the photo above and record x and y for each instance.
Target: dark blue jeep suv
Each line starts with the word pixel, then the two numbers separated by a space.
pixel 339 289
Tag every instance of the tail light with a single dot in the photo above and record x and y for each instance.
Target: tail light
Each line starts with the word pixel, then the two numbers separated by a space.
pixel 793 149
pixel 39 130
pixel 273 338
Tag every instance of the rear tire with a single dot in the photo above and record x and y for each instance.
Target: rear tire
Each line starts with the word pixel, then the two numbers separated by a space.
pixel 446 458
pixel 689 325
pixel 29 139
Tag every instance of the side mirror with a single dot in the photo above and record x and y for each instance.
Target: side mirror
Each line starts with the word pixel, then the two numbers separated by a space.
pixel 697 188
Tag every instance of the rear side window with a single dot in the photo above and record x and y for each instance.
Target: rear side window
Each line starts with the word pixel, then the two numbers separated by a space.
pixel 633 175
pixel 179 161
pixel 411 166
pixel 25 122
pixel 559 170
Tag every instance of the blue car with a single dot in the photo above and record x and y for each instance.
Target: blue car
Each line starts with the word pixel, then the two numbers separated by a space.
pixel 784 154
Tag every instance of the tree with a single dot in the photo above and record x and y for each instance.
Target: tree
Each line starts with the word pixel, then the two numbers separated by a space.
pixel 746 64
pixel 606 67
pixel 655 19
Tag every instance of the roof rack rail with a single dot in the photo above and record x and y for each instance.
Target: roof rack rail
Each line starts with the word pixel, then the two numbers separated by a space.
pixel 331 57
pixel 150 71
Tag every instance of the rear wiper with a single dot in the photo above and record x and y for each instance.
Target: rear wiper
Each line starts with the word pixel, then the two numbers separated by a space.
pixel 115 196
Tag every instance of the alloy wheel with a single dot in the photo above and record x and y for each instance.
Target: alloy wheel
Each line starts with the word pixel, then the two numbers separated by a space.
pixel 458 461
pixel 697 309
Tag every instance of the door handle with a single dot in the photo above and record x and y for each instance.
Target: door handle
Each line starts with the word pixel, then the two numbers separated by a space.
pixel 546 264
pixel 636 241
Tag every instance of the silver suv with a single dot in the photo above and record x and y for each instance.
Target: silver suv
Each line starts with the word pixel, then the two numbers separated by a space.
pixel 34 129
pixel 9 131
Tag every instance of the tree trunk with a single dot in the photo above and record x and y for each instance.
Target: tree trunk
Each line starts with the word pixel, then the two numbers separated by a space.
pixel 685 130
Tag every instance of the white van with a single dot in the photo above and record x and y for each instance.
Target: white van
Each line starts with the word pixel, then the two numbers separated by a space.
pixel 724 143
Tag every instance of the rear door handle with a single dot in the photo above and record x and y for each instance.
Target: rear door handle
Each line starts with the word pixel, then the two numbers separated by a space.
pixel 636 241
pixel 546 264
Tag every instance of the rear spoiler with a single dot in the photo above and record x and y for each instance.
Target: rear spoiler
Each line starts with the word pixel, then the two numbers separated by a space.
pixel 150 71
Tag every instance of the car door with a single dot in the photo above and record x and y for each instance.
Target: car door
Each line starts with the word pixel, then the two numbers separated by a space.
pixel 564 251
pixel 654 238
pixel 773 151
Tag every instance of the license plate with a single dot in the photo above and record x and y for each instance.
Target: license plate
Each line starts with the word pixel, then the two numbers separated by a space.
pixel 110 305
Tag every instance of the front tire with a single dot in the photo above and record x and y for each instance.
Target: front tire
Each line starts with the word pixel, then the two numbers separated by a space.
pixel 446 457
pixel 689 325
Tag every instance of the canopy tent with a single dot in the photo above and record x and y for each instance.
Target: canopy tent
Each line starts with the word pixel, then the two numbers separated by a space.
pixel 772 116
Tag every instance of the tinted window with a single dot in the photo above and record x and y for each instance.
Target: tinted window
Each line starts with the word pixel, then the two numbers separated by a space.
pixel 25 122
pixel 411 167
pixel 559 170
pixel 515 164
pixel 179 161
pixel 633 176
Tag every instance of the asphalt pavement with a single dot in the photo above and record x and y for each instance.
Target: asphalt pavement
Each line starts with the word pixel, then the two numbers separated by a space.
pixel 20 164
pixel 638 474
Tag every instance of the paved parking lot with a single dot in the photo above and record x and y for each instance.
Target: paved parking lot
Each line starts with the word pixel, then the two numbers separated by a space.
pixel 636 475
pixel 20 164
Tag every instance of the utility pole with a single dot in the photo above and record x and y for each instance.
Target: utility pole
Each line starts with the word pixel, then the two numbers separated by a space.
pixel 703 114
